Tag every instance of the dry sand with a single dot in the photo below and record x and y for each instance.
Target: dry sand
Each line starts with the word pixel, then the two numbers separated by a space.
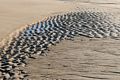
pixel 15 14
pixel 81 59
pixel 86 59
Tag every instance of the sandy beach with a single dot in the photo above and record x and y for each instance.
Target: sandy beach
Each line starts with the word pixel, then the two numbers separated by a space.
pixel 81 59
pixel 15 14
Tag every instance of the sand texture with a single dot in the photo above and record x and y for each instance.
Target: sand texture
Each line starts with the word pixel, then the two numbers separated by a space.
pixel 92 57
pixel 15 14
pixel 81 59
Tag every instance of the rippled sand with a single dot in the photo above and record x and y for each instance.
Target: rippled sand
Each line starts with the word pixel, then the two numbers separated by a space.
pixel 81 59
pixel 14 14
pixel 86 59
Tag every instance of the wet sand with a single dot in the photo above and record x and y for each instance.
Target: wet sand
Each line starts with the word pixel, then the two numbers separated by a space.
pixel 81 59
pixel 15 14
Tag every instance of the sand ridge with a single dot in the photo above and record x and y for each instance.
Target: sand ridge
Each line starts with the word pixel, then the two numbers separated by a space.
pixel 36 38
pixel 83 75
pixel 15 14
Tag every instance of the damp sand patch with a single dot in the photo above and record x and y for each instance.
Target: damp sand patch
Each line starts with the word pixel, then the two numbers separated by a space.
pixel 35 39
